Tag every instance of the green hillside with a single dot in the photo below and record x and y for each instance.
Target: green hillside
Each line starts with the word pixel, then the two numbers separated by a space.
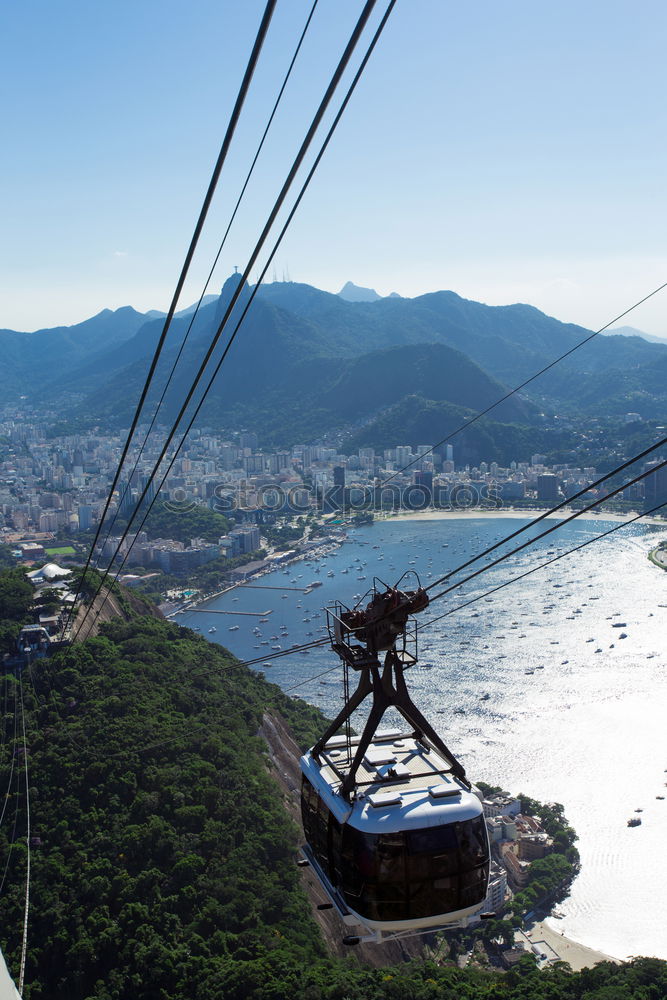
pixel 415 420
pixel 162 856
pixel 28 361
pixel 307 363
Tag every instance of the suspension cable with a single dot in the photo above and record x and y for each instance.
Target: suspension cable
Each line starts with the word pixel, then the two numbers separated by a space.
pixel 332 86
pixel 564 503
pixel 421 627
pixel 210 274
pixel 16 816
pixel 522 385
pixel 575 548
pixel 217 170
pixel 26 911
pixel 11 769
pixel 548 531
pixel 451 611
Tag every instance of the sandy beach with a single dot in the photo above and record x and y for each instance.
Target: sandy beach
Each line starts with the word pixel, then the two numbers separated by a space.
pixel 453 515
pixel 557 947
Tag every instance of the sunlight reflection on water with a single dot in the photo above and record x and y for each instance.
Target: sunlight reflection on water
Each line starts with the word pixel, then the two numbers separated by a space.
pixel 586 728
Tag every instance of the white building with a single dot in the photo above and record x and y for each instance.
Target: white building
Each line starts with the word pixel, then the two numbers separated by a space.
pixel 501 804
pixel 497 891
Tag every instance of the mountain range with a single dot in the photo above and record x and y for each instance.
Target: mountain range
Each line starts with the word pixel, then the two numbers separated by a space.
pixel 307 363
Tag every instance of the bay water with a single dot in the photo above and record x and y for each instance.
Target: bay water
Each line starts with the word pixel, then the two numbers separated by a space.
pixel 555 686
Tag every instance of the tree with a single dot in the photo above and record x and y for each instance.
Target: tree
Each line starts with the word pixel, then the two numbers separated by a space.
pixel 16 595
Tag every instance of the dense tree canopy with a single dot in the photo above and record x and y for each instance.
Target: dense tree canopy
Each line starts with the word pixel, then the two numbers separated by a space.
pixel 16 595
pixel 166 521
pixel 162 857
pixel 6 558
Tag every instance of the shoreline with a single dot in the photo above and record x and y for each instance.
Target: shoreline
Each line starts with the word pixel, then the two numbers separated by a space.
pixel 298 557
pixel 513 514
pixel 430 515
pixel 558 947
pixel 658 557
pixel 434 515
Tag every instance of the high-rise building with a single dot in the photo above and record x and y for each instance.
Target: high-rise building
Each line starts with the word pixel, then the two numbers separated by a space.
pixel 48 521
pixel 279 462
pixel 366 458
pixel 228 457
pixel 85 517
pixel 246 538
pixel 424 479
pixel 248 440
pixel 148 484
pixel 403 455
pixel 125 499
pixel 548 487
pixel 253 464
pixel 655 485
pixel 308 457
pixel 422 450
pixel 339 475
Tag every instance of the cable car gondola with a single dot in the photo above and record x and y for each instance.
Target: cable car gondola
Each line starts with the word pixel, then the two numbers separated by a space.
pixel 394 830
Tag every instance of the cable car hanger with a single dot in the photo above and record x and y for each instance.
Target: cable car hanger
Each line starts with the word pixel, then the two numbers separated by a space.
pixel 379 626
pixel 395 832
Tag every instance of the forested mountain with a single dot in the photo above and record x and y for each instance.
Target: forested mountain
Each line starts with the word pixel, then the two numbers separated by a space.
pixel 510 342
pixel 62 357
pixel 414 418
pixel 632 331
pixel 306 363
pixel 163 861
pixel 30 360
pixel 286 376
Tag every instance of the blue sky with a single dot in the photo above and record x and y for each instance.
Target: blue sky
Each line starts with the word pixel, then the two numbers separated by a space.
pixel 508 151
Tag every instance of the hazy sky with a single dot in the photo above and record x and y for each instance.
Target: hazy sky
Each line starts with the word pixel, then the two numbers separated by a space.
pixel 509 151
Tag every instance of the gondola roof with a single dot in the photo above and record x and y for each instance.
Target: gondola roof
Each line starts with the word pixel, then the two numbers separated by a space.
pixel 402 784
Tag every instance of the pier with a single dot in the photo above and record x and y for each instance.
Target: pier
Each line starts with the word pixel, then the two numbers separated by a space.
pixel 247 614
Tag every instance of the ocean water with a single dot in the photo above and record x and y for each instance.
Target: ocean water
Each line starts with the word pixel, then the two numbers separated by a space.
pixel 587 727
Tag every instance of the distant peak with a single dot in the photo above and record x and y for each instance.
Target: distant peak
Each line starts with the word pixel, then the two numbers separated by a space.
pixel 632 331
pixel 233 285
pixel 355 293
pixel 232 282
